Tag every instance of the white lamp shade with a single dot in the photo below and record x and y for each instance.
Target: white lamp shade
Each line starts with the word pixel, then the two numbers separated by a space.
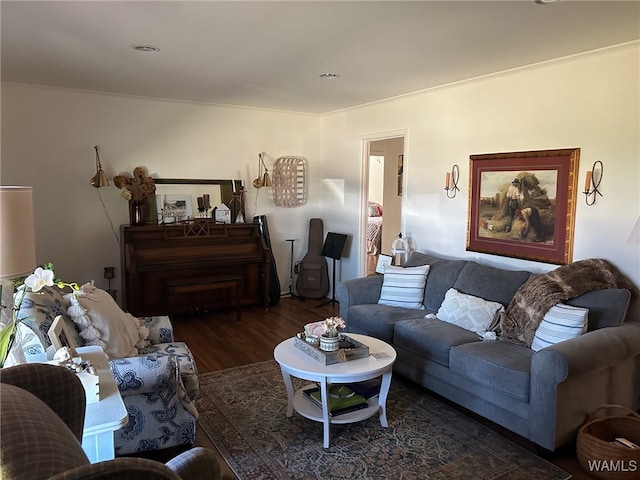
pixel 17 244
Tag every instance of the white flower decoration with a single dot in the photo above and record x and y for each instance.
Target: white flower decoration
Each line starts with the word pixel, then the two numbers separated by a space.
pixel 39 278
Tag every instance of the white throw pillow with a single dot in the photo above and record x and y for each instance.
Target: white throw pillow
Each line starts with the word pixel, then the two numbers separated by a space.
pixel 404 287
pixel 561 322
pixel 466 311
pixel 103 323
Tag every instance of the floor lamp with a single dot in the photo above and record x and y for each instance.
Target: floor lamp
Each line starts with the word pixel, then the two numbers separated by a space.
pixel 332 248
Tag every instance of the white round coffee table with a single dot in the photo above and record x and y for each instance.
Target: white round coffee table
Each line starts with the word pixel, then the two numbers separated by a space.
pixel 296 363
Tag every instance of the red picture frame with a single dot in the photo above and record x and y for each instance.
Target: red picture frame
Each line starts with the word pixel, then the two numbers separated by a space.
pixel 522 204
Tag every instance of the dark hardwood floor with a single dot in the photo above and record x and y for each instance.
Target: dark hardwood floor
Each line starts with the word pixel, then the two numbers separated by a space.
pixel 218 341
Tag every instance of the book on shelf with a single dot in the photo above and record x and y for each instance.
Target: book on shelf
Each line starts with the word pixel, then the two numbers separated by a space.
pixel 367 388
pixel 344 400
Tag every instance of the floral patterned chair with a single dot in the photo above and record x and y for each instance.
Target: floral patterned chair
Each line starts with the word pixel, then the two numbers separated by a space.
pixel 157 376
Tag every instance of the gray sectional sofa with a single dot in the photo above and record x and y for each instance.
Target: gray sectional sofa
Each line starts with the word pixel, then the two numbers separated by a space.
pixel 543 396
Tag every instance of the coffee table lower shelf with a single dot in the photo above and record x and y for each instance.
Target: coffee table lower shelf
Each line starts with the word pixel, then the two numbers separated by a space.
pixel 307 409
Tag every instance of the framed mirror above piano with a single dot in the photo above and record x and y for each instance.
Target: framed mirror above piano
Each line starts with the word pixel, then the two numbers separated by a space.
pixel 198 264
pixel 199 197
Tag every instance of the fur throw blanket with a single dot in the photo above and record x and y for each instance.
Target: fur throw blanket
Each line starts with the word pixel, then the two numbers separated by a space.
pixel 537 295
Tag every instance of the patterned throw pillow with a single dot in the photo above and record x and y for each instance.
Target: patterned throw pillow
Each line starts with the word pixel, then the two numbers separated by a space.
pixel 466 311
pixel 561 322
pixel 404 287
pixel 37 312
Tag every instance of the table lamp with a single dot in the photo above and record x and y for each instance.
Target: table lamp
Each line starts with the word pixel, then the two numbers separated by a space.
pixel 17 245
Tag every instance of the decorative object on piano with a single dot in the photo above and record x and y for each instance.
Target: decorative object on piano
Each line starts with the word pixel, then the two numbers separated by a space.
pixel 236 204
pixel 222 213
pixel 289 185
pixel 174 208
pixel 263 179
pixel 136 189
pixel 204 205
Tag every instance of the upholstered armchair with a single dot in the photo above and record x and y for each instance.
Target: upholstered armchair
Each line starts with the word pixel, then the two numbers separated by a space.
pixel 41 423
pixel 157 376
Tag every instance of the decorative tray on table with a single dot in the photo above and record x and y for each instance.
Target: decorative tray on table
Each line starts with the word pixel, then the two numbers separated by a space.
pixel 350 349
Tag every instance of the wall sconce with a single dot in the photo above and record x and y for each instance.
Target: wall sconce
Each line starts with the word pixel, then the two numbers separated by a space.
pixel 451 182
pixel 263 180
pixel 592 182
pixel 99 179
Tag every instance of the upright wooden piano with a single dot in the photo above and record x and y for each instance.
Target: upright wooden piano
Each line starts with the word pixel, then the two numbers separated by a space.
pixel 196 256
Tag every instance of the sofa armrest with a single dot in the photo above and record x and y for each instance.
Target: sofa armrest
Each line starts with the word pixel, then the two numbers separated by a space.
pixel 358 291
pixel 196 463
pixel 160 329
pixel 570 379
pixel 121 468
pixel 144 374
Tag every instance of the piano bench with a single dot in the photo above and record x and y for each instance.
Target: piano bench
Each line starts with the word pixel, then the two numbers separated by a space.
pixel 204 284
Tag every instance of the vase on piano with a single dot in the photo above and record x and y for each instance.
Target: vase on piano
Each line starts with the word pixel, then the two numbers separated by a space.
pixel 137 212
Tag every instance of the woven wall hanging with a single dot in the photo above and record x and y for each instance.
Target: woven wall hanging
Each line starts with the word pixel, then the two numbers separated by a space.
pixel 289 185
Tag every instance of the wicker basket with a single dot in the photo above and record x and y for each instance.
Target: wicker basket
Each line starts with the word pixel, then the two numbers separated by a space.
pixel 597 452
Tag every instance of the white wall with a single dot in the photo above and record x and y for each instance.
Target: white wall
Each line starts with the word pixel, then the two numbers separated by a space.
pixel 591 102
pixel 392 204
pixel 47 141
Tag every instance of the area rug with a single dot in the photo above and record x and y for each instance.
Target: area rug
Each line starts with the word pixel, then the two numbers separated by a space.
pixel 243 412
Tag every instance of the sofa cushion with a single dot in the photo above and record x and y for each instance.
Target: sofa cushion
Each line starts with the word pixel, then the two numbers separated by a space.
pixel 466 311
pixel 403 286
pixel 378 320
pixel 430 338
pixel 560 323
pixel 490 283
pixel 500 365
pixel 442 276
pixel 607 307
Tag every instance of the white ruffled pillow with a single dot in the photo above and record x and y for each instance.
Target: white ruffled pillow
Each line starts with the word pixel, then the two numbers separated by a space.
pixel 103 323
pixel 466 311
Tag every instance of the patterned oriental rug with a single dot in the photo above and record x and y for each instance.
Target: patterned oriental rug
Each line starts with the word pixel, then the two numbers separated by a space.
pixel 243 411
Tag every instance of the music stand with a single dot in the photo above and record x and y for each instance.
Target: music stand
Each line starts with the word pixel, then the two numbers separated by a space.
pixel 333 246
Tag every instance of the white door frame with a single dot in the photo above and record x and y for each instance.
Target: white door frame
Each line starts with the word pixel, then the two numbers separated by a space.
pixel 364 187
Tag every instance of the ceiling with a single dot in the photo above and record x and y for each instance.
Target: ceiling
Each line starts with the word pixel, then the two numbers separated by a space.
pixel 270 54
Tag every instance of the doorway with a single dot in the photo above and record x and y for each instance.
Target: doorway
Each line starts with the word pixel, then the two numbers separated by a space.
pixel 382 197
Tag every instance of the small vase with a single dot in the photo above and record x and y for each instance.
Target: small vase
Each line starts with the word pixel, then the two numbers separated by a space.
pixel 329 344
pixel 136 213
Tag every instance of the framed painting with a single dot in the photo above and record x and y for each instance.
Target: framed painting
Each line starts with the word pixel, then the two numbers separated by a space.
pixel 522 204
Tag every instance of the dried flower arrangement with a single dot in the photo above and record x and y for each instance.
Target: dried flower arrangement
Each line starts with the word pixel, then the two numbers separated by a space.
pixel 136 187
